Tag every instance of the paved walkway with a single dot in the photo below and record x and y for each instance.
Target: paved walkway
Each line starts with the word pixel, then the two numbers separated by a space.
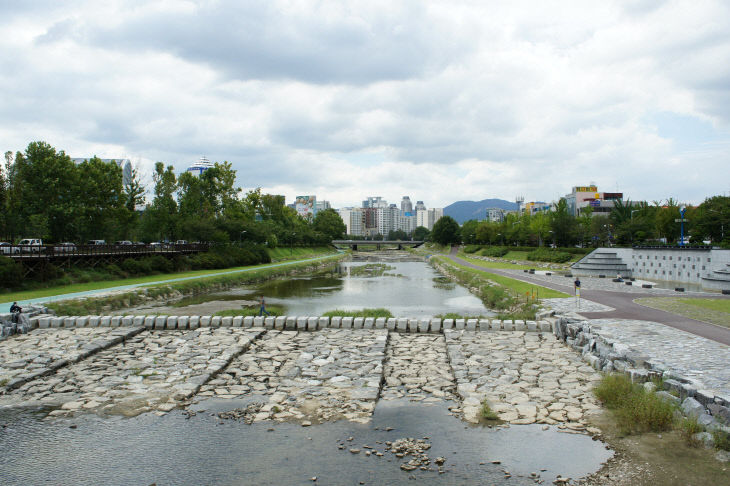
pixel 622 302
pixel 691 356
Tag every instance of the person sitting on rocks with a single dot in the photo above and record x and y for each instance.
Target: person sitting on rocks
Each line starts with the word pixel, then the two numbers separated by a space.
pixel 15 310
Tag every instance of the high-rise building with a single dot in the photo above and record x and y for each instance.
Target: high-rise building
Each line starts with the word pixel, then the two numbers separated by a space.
pixel 405 205
pixel 200 166
pixel 495 215
pixel 420 206
pixel 375 202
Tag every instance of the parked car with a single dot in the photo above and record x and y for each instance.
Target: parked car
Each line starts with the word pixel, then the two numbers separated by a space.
pixel 96 242
pixel 31 245
pixel 65 247
pixel 8 249
pixel 123 243
pixel 181 242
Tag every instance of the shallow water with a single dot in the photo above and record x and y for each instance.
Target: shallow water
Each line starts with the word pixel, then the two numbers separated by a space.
pixel 413 293
pixel 203 449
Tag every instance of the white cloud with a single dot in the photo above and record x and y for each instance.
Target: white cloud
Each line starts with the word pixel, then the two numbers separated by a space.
pixel 441 102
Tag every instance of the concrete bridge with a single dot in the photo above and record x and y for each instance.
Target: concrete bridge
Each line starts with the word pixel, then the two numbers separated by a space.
pixel 399 244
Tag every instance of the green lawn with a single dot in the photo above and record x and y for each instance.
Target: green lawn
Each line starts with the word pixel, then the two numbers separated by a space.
pixel 83 287
pixel 714 311
pixel 517 286
pixel 719 305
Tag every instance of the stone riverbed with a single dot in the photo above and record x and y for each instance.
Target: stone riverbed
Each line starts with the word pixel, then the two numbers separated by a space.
pixel 303 377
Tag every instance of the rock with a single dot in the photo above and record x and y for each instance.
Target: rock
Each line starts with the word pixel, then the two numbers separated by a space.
pixel 692 408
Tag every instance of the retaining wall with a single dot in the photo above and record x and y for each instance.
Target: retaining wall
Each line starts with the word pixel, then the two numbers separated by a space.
pixel 606 354
pixel 297 323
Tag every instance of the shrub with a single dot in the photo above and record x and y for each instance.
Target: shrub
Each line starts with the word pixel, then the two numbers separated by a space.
pixel 11 272
pixel 689 427
pixel 379 312
pixel 636 409
pixel 494 251
pixel 472 248
pixel 547 255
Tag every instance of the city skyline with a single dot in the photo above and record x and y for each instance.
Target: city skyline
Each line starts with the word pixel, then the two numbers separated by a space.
pixel 457 101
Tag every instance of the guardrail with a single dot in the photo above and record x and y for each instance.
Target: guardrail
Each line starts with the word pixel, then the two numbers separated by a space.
pixel 57 251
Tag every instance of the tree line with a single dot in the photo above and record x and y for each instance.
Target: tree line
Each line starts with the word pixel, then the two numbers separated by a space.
pixel 44 194
pixel 629 223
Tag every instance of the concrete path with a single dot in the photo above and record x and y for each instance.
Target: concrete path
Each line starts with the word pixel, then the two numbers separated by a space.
pixel 96 292
pixel 622 303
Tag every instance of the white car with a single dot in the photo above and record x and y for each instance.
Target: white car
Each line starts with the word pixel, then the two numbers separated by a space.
pixel 31 245
pixel 8 249
pixel 65 247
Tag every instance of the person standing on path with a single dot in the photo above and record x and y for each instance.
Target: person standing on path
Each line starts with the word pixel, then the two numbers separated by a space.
pixel 263 311
pixel 576 286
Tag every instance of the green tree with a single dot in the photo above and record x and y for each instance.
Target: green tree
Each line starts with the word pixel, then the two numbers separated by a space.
pixel 160 218
pixel 563 224
pixel 329 224
pixel 397 235
pixel 100 201
pixel 712 220
pixel 421 233
pixel 45 193
pixel 446 231
pixel 469 231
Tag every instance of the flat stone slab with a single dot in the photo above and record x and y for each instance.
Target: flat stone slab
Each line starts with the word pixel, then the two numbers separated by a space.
pixel 525 377
pixel 308 376
pixel 146 371
pixel 25 356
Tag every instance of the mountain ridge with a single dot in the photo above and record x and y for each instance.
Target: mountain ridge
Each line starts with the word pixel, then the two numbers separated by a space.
pixel 463 211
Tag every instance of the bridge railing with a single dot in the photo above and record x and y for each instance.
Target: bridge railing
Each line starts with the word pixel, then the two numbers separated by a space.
pixel 57 251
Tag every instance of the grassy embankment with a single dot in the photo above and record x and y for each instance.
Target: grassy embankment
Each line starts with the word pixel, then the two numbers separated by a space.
pixel 513 298
pixel 276 256
pixel 714 311
pixel 211 281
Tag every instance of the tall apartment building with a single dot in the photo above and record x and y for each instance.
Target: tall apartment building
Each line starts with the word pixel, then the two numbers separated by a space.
pixel 405 205
pixel 428 217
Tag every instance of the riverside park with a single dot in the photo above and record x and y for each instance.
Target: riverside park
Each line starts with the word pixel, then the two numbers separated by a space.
pixel 373 366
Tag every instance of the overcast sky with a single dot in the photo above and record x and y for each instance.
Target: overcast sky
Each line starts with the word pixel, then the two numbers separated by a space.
pixel 442 101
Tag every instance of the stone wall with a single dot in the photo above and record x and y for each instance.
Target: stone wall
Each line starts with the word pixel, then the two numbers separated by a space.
pixel 607 353
pixel 292 323
pixel 709 268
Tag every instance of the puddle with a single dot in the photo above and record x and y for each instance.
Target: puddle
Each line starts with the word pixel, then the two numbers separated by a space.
pixel 204 449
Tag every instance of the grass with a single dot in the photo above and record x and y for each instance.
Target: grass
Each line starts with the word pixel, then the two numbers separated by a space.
pixel 274 310
pixel 281 254
pixel 370 270
pixel 499 265
pixel 636 410
pixel 688 427
pixel 147 279
pixel 379 312
pixel 517 286
pixel 89 306
pixel 487 412
pixel 714 311
pixel 454 315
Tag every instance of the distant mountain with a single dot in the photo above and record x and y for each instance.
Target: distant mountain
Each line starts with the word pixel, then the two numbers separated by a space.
pixel 463 211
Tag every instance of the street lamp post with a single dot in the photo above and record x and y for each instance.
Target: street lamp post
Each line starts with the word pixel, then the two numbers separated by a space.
pixel 682 209
pixel 240 237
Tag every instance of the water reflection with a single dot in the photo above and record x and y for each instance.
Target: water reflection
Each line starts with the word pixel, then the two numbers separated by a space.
pixel 411 288
pixel 205 450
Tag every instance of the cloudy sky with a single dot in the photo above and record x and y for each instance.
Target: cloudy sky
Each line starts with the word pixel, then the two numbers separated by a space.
pixel 442 101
